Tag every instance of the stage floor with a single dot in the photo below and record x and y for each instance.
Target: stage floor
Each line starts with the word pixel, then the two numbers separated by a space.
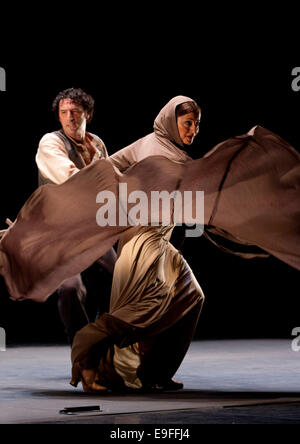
pixel 225 382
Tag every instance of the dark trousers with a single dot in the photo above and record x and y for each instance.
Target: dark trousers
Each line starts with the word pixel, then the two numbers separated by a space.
pixel 83 297
pixel 163 354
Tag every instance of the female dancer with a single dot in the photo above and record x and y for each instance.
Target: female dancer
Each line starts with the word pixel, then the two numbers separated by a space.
pixel 251 185
pixel 155 298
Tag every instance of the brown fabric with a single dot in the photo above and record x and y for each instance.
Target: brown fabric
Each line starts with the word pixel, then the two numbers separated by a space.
pixel 153 287
pixel 48 218
pixel 93 341
pixel 106 373
pixel 153 290
pixel 160 143
pixel 251 187
pixel 147 273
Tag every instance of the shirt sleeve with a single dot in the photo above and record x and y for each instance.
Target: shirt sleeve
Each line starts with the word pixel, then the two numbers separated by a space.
pixel 53 161
pixel 124 158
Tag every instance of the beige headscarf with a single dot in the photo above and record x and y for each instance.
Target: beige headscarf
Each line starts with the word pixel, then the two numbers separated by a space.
pixel 165 124
pixel 164 141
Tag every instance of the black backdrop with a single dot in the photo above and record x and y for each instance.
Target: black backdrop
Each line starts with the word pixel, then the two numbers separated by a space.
pixel 244 298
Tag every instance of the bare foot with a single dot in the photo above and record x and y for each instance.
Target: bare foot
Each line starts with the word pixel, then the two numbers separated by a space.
pixel 88 381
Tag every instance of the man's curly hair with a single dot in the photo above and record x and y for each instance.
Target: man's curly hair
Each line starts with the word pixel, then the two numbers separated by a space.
pixel 78 96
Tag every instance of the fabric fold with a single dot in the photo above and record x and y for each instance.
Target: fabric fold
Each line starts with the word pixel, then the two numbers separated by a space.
pixel 251 191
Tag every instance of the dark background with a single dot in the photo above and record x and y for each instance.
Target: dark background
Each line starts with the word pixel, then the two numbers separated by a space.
pixel 236 89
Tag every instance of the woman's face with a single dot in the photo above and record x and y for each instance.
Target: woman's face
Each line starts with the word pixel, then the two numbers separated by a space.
pixel 188 127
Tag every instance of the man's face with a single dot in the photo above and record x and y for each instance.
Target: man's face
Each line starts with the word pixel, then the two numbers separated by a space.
pixel 72 118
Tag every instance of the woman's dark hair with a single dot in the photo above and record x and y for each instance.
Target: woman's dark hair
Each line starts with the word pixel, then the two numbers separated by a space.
pixel 187 107
pixel 79 97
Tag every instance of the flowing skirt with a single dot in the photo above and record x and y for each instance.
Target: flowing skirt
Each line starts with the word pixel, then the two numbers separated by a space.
pixel 155 304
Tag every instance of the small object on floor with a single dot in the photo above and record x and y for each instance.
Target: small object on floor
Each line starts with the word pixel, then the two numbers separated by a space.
pixel 85 408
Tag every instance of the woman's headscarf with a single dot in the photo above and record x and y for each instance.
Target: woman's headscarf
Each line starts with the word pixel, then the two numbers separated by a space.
pixel 164 141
